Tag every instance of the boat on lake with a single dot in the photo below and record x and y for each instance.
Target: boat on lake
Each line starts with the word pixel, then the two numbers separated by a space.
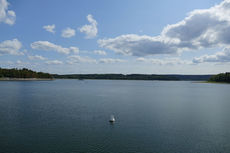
pixel 112 119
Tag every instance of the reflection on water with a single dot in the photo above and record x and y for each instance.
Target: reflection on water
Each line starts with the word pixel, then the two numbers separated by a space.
pixel 65 116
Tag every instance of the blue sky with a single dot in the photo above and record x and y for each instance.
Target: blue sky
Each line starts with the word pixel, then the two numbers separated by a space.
pixel 131 36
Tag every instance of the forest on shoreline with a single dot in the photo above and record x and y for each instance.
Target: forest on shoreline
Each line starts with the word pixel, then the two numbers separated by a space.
pixel 23 73
pixel 26 74
pixel 222 77
pixel 134 77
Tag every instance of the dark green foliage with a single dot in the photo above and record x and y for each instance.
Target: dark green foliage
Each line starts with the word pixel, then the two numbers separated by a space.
pixel 133 77
pixel 22 73
pixel 222 77
pixel 26 73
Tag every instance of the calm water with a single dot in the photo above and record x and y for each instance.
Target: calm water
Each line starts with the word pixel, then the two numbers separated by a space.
pixel 71 116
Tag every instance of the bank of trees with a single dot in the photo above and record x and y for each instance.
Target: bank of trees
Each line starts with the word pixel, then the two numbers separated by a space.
pixel 134 77
pixel 116 77
pixel 222 77
pixel 26 73
pixel 22 73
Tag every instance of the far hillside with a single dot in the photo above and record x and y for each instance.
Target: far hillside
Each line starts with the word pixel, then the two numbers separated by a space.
pixel 23 73
pixel 222 77
pixel 27 74
pixel 135 77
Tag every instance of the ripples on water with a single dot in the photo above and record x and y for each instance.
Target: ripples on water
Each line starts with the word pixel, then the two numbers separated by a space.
pixel 65 116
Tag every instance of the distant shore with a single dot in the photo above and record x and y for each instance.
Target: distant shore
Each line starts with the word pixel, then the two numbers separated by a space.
pixel 211 82
pixel 166 77
pixel 26 79
pixel 217 82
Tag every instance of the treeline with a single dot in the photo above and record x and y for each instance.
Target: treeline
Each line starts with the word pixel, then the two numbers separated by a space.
pixel 115 77
pixel 222 77
pixel 26 73
pixel 22 73
pixel 133 77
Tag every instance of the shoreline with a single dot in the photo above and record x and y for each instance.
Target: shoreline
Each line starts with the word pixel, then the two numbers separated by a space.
pixel 51 79
pixel 26 79
pixel 212 82
pixel 218 82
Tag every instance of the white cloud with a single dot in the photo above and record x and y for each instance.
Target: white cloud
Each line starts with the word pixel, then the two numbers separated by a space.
pixel 74 50
pixel 6 16
pixel 36 57
pixel 68 32
pixel 139 45
pixel 90 29
pixel 54 62
pixel 166 61
pixel 19 62
pixel 78 59
pixel 206 28
pixel 49 28
pixel 219 57
pixel 111 60
pixel 48 46
pixel 11 47
pixel 99 52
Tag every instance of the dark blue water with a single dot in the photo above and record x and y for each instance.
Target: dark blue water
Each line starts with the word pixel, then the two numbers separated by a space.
pixel 71 116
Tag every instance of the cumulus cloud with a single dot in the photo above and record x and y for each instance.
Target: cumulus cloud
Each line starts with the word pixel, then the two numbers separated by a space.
pixel 36 57
pixel 204 28
pixel 220 57
pixel 90 29
pixel 6 16
pixel 111 60
pixel 99 52
pixel 68 32
pixel 48 46
pixel 54 62
pixel 166 61
pixel 74 50
pixel 11 47
pixel 19 62
pixel 139 45
pixel 49 28
pixel 78 59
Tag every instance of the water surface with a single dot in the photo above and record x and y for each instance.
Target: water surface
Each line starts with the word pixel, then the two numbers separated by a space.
pixel 70 116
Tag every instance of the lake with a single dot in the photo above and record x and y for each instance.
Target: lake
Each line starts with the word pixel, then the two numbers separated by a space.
pixel 72 116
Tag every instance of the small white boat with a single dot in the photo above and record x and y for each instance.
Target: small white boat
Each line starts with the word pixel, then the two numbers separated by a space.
pixel 112 119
